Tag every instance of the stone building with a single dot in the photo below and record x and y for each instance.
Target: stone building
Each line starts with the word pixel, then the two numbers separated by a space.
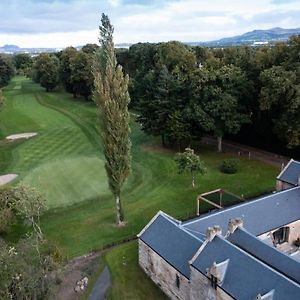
pixel 243 252
pixel 289 176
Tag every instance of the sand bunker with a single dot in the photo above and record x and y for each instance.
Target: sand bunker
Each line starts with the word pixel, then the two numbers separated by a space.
pixel 4 179
pixel 21 136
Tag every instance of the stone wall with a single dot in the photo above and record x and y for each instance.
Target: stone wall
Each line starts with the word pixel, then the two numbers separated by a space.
pixel 201 288
pixel 281 185
pixel 163 274
pixel 294 231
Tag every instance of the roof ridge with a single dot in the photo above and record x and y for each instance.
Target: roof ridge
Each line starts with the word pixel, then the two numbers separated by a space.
pixel 188 232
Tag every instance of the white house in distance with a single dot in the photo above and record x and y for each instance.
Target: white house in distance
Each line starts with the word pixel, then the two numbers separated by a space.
pixel 244 252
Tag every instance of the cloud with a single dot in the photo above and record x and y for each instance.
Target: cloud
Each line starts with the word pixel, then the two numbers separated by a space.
pixel 60 23
pixel 114 3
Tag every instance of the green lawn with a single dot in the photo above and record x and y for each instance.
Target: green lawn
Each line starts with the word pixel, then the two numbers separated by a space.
pixel 129 282
pixel 65 162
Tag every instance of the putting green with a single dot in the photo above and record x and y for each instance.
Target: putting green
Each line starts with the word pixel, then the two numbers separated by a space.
pixel 68 181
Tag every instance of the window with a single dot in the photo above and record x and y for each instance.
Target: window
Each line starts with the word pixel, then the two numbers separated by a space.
pixel 177 281
pixel 281 235
pixel 214 281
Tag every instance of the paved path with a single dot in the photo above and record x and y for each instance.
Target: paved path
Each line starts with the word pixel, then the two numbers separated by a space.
pixel 101 286
pixel 268 157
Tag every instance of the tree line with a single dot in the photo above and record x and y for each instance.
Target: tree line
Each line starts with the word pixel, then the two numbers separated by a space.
pixel 181 92
pixel 246 93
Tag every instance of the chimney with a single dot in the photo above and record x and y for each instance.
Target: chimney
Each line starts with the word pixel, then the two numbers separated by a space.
pixel 212 232
pixel 234 224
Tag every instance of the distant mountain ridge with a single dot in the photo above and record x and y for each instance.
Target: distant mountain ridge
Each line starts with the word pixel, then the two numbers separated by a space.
pixel 254 38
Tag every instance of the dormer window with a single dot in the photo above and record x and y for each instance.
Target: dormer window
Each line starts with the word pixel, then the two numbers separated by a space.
pixel 216 273
pixel 267 296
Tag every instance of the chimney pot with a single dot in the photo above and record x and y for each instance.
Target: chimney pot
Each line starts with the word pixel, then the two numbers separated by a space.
pixel 212 232
pixel 234 224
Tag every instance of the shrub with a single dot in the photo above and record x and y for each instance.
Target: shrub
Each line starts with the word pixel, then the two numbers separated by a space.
pixel 229 166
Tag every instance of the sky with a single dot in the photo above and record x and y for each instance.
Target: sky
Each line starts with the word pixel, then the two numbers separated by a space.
pixel 62 23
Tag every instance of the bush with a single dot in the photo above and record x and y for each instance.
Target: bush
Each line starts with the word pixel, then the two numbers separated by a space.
pixel 229 166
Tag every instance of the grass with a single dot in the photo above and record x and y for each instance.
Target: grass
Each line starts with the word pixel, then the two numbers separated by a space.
pixel 83 178
pixel 129 282
pixel 65 162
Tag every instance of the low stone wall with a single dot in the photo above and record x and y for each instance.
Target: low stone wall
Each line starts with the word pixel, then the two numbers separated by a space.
pixel 163 274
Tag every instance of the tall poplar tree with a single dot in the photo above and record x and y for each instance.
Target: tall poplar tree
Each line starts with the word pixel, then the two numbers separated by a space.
pixel 112 98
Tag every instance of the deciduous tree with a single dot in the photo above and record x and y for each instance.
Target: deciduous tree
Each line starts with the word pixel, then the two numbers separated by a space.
pixel 46 71
pixel 1 99
pixel 178 128
pixel 65 68
pixel 6 70
pixel 280 95
pixel 23 63
pixel 190 162
pixel 27 266
pixel 30 205
pixel 217 108
pixel 7 216
pixel 81 74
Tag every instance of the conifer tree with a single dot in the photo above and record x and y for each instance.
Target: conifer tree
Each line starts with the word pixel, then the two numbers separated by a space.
pixel 112 98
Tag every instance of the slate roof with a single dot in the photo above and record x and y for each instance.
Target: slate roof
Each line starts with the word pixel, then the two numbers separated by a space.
pixel 255 267
pixel 172 243
pixel 266 253
pixel 259 216
pixel 290 173
pixel 246 276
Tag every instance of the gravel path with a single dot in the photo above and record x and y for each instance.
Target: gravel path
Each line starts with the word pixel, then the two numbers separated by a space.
pixel 4 179
pixel 243 150
pixel 101 286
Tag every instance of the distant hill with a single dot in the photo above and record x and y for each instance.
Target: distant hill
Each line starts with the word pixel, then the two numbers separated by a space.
pixel 252 38
pixel 11 49
pixel 8 47
pixel 255 37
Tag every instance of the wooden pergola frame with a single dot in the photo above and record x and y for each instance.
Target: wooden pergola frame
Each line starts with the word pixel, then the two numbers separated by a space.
pixel 219 206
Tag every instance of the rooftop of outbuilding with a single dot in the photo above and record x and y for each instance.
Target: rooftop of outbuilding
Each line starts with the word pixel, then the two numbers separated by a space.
pixel 290 173
pixel 259 216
